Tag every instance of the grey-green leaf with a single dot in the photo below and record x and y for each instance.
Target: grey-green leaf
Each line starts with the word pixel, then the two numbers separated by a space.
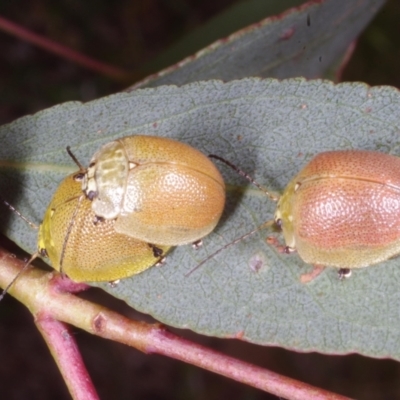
pixel 269 129
pixel 308 41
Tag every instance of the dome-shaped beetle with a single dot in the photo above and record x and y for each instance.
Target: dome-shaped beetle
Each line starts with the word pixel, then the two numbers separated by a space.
pixel 157 190
pixel 86 251
pixel 340 210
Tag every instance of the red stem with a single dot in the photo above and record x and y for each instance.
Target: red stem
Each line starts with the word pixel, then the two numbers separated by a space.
pixel 63 51
pixel 34 289
pixel 158 340
pixel 65 352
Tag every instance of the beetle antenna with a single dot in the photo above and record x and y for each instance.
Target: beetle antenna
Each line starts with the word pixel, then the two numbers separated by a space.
pixel 13 209
pixel 237 240
pixel 70 226
pixel 76 161
pixel 271 195
pixel 24 268
pixel 35 255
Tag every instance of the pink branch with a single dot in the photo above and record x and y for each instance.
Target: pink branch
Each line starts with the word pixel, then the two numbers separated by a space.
pixel 158 340
pixel 65 352
pixel 34 289
pixel 63 51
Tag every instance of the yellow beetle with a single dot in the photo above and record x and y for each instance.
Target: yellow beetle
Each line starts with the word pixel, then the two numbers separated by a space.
pixel 87 251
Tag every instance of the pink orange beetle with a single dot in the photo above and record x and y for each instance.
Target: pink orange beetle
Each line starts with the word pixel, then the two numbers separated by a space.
pixel 157 190
pixel 341 209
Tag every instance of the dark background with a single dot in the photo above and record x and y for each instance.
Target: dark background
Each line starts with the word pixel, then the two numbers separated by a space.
pixel 129 34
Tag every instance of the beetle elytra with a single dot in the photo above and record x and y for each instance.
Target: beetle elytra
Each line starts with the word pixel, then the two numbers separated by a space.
pixel 339 211
pixel 87 251
pixel 157 189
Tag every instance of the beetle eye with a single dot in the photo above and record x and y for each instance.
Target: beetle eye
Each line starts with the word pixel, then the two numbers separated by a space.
pixel 278 222
pixel 79 176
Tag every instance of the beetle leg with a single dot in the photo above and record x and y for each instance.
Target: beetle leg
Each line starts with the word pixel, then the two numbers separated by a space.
pixel 161 262
pixel 344 273
pixel 197 244
pixel 273 241
pixel 157 252
pixel 289 250
pixel 310 276
pixel 114 284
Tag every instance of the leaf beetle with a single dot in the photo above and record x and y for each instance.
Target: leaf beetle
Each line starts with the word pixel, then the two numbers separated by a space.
pixel 339 211
pixel 86 251
pixel 157 189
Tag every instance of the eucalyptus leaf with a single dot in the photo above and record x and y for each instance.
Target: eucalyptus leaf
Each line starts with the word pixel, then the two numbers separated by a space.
pixel 238 16
pixel 268 128
pixel 309 41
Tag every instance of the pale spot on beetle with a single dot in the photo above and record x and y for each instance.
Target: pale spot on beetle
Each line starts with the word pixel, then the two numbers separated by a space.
pixel 132 165
pixel 256 262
